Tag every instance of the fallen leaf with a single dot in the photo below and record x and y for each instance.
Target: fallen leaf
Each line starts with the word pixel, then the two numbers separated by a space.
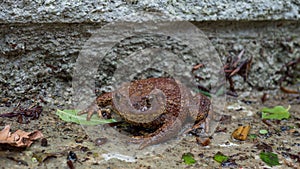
pixel 253 136
pixel 24 114
pixel 4 133
pixel 203 141
pixel 71 116
pixel 269 158
pixel 19 138
pixel 241 133
pixel 220 158
pixel 188 158
pixel 278 113
pixel 263 131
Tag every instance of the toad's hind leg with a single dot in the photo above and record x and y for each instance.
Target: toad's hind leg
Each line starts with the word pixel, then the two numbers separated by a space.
pixel 169 129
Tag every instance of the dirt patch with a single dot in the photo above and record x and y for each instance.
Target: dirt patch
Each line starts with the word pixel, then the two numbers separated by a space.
pixel 283 138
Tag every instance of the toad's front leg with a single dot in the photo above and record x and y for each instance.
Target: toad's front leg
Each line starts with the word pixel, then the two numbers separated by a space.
pixel 199 111
pixel 102 101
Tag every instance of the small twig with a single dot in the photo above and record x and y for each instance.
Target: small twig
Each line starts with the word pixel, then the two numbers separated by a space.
pixel 285 90
pixel 287 73
pixel 238 58
pixel 196 67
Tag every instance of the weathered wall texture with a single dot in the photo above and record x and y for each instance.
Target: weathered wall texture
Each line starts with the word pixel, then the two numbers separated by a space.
pixel 58 11
pixel 40 40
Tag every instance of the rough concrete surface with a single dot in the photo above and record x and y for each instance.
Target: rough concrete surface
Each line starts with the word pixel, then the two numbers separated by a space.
pixel 40 42
pixel 38 59
pixel 61 11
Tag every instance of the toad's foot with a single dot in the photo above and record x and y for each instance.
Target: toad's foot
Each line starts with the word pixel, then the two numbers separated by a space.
pixel 203 124
pixel 167 131
pixel 90 111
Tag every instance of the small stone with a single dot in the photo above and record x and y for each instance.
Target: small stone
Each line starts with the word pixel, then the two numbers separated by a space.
pixel 44 142
pixel 100 141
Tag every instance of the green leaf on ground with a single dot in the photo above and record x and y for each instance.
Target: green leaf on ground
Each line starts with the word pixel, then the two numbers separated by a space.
pixel 220 158
pixel 188 158
pixel 71 116
pixel 205 93
pixel 263 131
pixel 278 113
pixel 253 136
pixel 269 158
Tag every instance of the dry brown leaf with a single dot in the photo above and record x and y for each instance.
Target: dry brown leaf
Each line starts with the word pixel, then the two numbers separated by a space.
pixel 241 133
pixel 4 133
pixel 19 138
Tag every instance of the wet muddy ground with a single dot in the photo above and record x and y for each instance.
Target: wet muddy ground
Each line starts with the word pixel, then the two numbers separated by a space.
pixel 283 139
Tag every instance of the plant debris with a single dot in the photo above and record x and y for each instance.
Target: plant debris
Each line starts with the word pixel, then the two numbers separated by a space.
pixel 196 67
pixel 235 66
pixel 188 158
pixel 277 113
pixel 264 98
pixel 203 141
pixel 41 157
pixel 252 136
pixel 22 162
pixel 23 114
pixel 264 146
pixel 220 157
pixel 19 138
pixel 263 131
pixel 267 122
pixel 269 158
pixel 241 133
pixel 71 116
pixel 290 73
pixel 70 164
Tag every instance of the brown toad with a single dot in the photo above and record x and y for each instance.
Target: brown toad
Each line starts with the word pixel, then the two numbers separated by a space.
pixel 160 103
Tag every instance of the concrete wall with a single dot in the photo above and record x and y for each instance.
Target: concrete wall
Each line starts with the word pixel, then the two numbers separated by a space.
pixel 40 40
pixel 78 11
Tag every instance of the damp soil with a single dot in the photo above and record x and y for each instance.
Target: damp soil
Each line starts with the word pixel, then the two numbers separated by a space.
pixel 283 139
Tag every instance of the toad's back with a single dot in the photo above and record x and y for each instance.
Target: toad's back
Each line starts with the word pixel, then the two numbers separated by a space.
pixel 170 88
